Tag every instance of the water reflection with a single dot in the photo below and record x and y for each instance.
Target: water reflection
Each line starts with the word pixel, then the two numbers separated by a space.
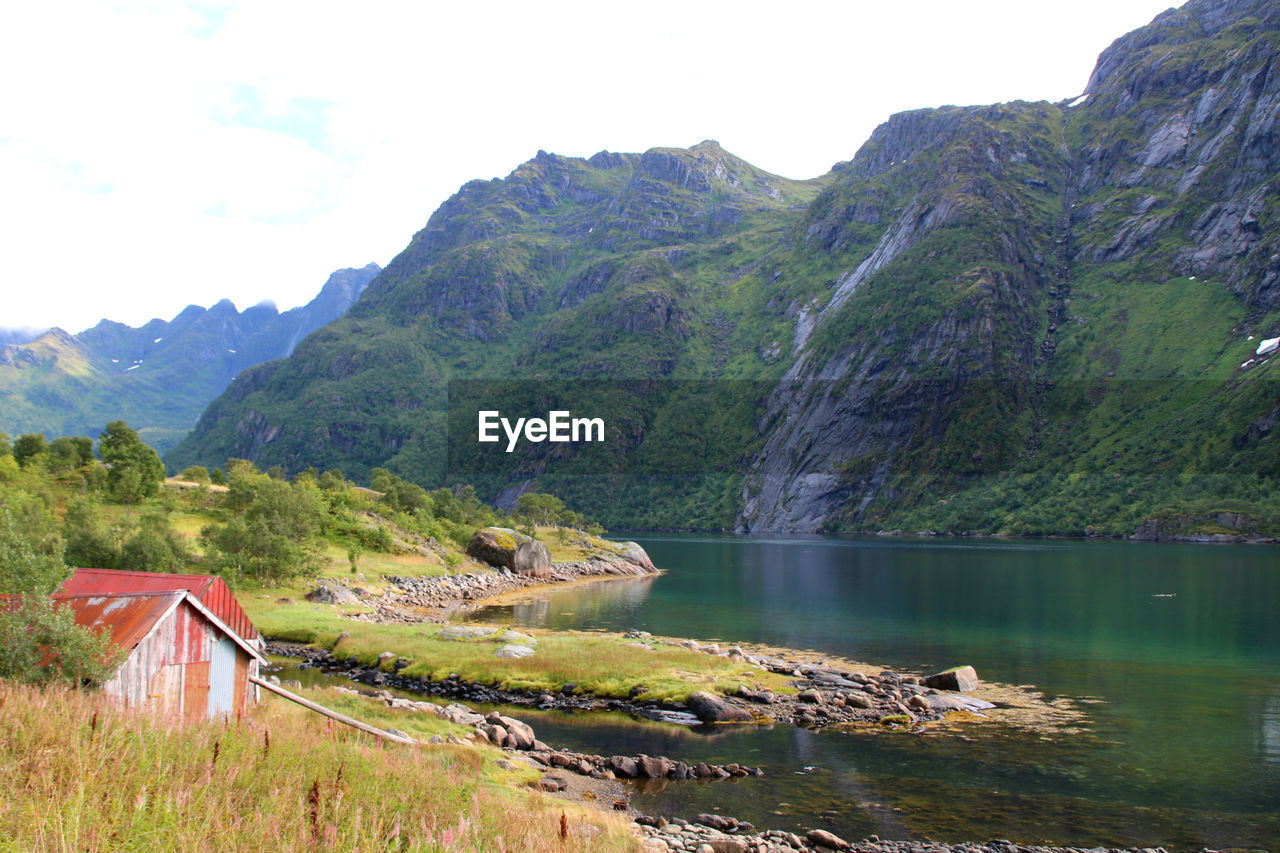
pixel 574 606
pixel 1271 730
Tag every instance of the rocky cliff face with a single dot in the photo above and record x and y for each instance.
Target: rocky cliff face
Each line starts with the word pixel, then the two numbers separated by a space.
pixel 1165 169
pixel 944 222
pixel 159 376
pixel 1179 148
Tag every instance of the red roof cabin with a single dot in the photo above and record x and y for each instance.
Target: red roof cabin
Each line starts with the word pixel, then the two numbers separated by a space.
pixel 185 661
pixel 210 590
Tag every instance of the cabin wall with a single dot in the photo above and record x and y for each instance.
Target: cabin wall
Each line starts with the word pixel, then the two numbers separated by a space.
pixel 168 671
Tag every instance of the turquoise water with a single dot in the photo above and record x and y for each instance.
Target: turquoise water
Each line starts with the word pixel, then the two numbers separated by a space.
pixel 1174 650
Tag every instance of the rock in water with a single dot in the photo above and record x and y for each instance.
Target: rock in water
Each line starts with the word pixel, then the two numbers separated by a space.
pixel 714 709
pixel 957 678
pixel 633 553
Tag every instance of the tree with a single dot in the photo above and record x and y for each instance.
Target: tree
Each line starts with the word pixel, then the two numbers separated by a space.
pixel 540 508
pixel 89 543
pixel 196 474
pixel 70 452
pixel 154 547
pixel 40 641
pixel 271 540
pixel 28 447
pixel 30 553
pixel 136 470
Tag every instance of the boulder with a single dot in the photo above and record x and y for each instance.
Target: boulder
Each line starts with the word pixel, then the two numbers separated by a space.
pixel 653 768
pixel 513 652
pixel 462 715
pixel 531 558
pixel 715 709
pixel 466 632
pixel 519 734
pixel 952 702
pixel 553 783
pixel 331 592
pixel 495 545
pixel 504 548
pixel 826 839
pixel 624 766
pixel 633 553
pixel 858 700
pixel 956 678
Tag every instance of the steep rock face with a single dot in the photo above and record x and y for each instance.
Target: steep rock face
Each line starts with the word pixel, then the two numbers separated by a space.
pixel 160 376
pixel 945 219
pixel 1180 147
pixel 1166 169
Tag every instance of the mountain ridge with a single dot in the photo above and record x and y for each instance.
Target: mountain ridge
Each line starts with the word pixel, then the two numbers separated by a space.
pixel 158 376
pixel 984 321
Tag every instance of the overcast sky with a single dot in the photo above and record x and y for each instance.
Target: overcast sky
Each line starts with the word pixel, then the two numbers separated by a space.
pixel 155 155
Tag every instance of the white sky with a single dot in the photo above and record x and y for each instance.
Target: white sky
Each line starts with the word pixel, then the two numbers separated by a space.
pixel 154 155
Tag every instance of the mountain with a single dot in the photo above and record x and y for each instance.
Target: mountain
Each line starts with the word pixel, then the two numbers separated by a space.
pixel 157 377
pixel 19 336
pixel 1024 318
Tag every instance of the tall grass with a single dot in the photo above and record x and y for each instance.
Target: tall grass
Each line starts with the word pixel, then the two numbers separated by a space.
pixel 79 774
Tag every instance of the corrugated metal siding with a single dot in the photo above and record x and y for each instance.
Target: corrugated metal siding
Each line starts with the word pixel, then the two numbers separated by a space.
pixel 210 590
pixel 171 646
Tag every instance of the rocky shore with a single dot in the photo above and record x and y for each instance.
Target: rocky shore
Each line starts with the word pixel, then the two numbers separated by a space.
pixel 717 834
pixel 509 733
pixel 826 696
pixel 407 597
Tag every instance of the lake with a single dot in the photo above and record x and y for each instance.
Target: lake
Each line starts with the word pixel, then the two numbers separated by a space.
pixel 1172 652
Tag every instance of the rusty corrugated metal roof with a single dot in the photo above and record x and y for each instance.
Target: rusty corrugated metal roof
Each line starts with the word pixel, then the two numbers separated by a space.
pixel 211 590
pixel 128 616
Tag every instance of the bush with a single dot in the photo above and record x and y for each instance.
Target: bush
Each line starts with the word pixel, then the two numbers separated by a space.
pixel 196 474
pixel 40 642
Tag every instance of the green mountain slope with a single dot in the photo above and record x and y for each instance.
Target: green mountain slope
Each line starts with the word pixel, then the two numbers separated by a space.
pixel 160 376
pixel 1026 318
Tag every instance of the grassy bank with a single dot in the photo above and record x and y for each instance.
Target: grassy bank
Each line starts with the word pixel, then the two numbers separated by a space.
pixel 606 665
pixel 82 775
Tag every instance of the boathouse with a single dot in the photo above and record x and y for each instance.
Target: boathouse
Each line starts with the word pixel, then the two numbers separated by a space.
pixel 185 660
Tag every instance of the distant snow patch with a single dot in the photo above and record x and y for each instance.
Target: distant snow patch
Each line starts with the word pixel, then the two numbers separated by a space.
pixel 132 367
pixel 1080 100
pixel 231 351
pixel 117 361
pixel 1268 345
pixel 157 340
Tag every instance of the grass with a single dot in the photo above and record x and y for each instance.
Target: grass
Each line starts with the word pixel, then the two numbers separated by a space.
pixel 82 775
pixel 604 665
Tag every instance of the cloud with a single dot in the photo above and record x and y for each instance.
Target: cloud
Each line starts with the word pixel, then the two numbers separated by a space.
pixel 159 154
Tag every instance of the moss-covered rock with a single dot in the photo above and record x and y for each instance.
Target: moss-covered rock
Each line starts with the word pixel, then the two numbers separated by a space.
pixel 502 547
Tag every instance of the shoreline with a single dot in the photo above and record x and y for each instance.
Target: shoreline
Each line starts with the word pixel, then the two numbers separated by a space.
pixel 446 595
pixel 1196 539
pixel 594 780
